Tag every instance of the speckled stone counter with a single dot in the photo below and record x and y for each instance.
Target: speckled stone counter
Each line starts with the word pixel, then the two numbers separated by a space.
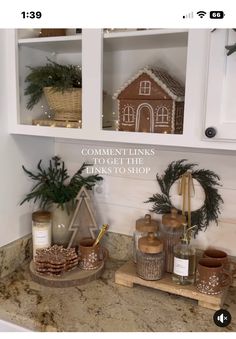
pixel 15 254
pixel 103 306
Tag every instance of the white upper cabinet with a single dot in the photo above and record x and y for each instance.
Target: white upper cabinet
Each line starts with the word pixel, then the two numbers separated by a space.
pixel 220 123
pixel 110 62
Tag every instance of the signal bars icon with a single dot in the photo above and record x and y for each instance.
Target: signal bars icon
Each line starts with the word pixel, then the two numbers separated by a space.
pixel 188 16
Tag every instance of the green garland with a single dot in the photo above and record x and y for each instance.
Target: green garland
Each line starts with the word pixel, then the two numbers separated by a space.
pixel 231 48
pixel 207 179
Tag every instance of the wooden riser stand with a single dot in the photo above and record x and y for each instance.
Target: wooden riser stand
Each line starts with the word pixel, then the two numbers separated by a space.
pixel 126 276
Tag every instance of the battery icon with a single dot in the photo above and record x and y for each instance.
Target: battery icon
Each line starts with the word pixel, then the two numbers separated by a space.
pixel 217 14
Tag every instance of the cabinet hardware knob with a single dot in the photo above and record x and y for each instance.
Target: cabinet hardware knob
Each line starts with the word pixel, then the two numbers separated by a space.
pixel 210 132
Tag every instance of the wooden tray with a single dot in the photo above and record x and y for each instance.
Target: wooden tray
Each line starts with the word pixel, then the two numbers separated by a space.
pixel 75 277
pixel 68 279
pixel 126 276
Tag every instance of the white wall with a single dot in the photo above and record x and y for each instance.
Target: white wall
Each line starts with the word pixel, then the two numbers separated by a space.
pixel 15 220
pixel 123 196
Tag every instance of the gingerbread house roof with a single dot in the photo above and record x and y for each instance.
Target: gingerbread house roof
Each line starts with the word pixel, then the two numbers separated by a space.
pixel 170 85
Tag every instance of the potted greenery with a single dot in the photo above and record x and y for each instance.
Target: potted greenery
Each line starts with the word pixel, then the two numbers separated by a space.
pixel 55 190
pixel 61 85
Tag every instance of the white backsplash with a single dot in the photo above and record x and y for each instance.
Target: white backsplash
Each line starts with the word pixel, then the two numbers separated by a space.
pixel 122 196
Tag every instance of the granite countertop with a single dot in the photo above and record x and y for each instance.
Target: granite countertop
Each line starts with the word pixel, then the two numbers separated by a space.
pixel 102 305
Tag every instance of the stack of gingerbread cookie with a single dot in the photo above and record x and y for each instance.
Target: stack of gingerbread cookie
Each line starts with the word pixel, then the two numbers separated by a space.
pixel 55 260
pixel 72 259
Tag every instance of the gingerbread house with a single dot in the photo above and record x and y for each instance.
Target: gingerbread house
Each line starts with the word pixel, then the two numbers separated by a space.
pixel 152 101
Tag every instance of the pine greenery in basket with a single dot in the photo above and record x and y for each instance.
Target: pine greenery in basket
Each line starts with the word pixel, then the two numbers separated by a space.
pixel 60 77
pixel 54 185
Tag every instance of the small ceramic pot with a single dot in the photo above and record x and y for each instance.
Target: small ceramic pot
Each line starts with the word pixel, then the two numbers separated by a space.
pixel 90 257
pixel 223 258
pixel 211 277
pixel 217 255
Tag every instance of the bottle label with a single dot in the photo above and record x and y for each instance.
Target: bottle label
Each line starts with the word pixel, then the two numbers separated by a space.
pixel 41 238
pixel 181 266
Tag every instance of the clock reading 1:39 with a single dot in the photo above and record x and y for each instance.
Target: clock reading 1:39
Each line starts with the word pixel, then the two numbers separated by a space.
pixel 31 15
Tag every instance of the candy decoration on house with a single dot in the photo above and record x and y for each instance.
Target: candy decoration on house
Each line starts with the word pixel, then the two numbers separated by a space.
pixel 152 101
pixel 209 180
pixel 83 223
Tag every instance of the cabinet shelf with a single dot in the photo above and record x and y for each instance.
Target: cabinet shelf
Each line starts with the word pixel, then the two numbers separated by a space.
pixel 47 131
pixel 70 44
pixel 146 39
pixel 103 135
pixel 169 140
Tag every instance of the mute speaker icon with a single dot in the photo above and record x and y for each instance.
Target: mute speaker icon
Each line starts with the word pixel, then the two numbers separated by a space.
pixel 222 318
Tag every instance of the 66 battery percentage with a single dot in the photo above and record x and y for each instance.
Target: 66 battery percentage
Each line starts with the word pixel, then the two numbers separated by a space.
pixel 217 15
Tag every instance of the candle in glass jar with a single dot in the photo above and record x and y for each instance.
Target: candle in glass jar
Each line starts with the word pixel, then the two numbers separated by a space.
pixel 41 230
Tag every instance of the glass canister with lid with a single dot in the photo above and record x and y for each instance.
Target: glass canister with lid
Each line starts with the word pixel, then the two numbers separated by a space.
pixel 171 233
pixel 150 258
pixel 143 226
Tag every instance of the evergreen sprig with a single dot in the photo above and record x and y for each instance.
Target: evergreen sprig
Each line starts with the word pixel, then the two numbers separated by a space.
pixel 231 48
pixel 207 179
pixel 60 77
pixel 53 184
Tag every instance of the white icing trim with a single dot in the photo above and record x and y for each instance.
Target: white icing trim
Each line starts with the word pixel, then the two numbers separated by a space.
pixel 159 113
pixel 173 118
pixel 152 76
pixel 127 83
pixel 143 86
pixel 119 122
pixel 128 114
pixel 137 122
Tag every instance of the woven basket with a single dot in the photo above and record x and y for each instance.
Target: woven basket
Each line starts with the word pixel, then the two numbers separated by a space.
pixel 47 32
pixel 65 105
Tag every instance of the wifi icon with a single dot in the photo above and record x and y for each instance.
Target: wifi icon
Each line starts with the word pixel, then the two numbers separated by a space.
pixel 201 14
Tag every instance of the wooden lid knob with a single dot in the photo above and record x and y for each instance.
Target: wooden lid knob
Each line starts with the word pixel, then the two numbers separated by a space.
pixel 147 224
pixel 173 219
pixel 150 244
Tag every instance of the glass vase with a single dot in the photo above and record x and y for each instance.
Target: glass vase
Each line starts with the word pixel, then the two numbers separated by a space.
pixel 60 225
